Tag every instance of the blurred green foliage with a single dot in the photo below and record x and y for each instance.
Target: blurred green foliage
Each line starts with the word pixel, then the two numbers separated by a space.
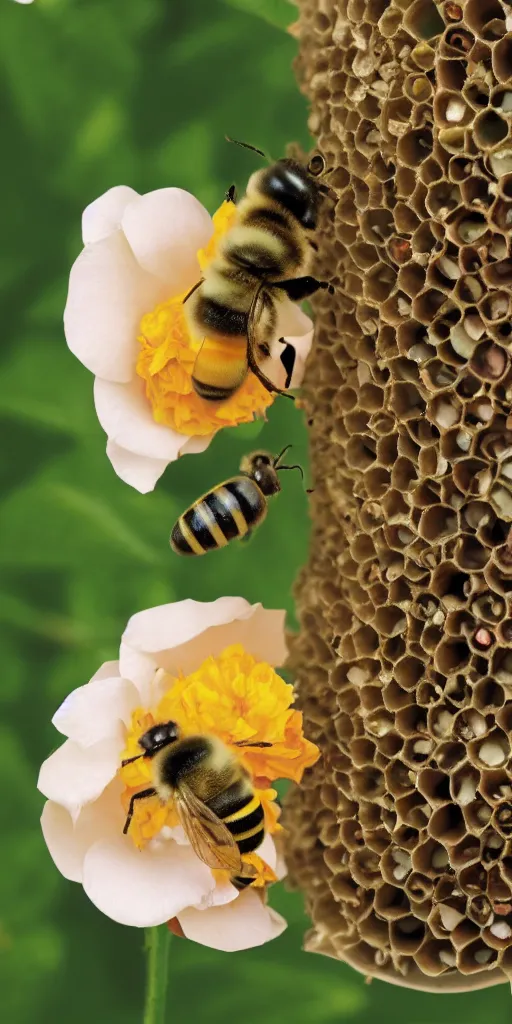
pixel 96 93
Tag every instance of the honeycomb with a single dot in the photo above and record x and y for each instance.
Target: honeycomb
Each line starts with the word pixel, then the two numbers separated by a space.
pixel 401 837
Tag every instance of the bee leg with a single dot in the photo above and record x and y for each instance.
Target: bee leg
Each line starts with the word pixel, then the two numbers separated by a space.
pixel 247 743
pixel 253 344
pixel 144 793
pixel 258 372
pixel 231 194
pixel 129 760
pixel 288 357
pixel 299 288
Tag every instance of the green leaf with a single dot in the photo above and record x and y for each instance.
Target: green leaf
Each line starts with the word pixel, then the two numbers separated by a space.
pixel 277 12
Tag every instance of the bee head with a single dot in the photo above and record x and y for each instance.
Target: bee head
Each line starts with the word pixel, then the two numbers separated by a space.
pixel 292 186
pixel 260 466
pixel 157 737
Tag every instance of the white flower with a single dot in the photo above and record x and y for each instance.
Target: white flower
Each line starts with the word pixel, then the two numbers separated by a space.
pixel 141 252
pixel 83 819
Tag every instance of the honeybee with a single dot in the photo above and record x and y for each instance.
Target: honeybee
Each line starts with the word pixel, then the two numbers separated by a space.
pixel 215 801
pixel 231 509
pixel 262 258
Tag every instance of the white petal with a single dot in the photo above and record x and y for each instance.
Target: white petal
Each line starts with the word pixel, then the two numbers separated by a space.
pixel 58 832
pixel 97 711
pixel 267 851
pixel 245 923
pixel 68 843
pixel 224 892
pixel 73 776
pixel 143 472
pixel 144 887
pixel 165 229
pixel 291 320
pixel 103 216
pixel 126 417
pixel 106 671
pixel 180 636
pixel 139 471
pixel 170 625
pixel 196 445
pixel 108 295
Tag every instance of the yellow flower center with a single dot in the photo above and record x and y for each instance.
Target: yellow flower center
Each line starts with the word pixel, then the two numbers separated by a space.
pixel 166 361
pixel 240 701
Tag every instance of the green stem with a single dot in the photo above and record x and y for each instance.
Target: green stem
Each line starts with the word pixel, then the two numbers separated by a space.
pixel 157 948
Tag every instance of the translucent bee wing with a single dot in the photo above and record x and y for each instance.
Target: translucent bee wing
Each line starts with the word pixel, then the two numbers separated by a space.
pixel 206 833
pixel 256 348
pixel 262 302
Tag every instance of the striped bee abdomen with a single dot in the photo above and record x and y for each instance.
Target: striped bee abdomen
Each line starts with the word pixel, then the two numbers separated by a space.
pixel 241 883
pixel 247 825
pixel 242 813
pixel 224 513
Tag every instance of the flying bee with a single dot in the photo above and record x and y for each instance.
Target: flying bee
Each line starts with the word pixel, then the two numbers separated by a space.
pixel 212 793
pixel 265 256
pixel 231 509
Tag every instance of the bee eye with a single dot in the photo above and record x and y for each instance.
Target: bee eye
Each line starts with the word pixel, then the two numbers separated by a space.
pixel 159 736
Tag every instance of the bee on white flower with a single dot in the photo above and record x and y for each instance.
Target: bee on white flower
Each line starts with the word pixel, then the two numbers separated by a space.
pixel 125 320
pixel 196 665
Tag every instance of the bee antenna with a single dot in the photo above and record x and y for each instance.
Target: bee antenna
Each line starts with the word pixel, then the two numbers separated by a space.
pixel 279 457
pixel 246 145
pixel 296 466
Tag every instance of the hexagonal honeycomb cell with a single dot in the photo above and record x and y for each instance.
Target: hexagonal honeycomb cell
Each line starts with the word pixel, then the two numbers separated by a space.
pixel 401 836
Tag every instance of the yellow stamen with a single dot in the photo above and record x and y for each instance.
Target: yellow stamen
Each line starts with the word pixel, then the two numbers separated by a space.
pixel 166 361
pixel 261 874
pixel 265 875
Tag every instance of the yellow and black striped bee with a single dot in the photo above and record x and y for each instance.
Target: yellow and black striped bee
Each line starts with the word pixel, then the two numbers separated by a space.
pixel 211 792
pixel 231 509
pixel 263 257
